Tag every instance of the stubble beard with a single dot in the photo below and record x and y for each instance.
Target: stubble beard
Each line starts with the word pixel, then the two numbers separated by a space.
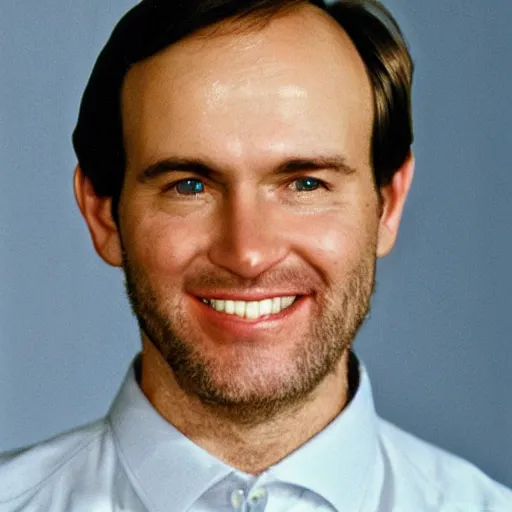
pixel 243 392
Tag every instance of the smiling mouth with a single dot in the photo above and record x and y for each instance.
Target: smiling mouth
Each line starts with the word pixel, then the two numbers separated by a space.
pixel 251 310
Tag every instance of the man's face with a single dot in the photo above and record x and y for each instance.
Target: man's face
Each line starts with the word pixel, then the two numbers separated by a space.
pixel 267 133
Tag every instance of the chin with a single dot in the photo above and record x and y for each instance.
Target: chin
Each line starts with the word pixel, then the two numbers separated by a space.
pixel 248 377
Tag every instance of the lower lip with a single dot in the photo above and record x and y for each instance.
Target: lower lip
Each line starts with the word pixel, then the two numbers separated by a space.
pixel 241 327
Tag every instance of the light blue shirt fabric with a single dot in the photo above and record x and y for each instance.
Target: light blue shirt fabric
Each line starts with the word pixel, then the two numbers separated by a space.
pixel 133 460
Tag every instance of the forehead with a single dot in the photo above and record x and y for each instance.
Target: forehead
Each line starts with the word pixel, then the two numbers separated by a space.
pixel 297 80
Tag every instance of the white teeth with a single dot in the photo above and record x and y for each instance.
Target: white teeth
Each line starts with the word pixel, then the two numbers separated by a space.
pixel 229 307
pixel 266 307
pixel 240 308
pixel 286 302
pixel 253 309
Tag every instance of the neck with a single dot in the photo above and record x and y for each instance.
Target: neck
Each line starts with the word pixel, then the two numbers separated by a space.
pixel 251 449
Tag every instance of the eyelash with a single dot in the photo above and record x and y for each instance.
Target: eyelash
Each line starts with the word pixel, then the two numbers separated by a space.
pixel 173 186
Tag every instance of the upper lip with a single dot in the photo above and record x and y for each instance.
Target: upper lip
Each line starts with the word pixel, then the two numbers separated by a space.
pixel 246 296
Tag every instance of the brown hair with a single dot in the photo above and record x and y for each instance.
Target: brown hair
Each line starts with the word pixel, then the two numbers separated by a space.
pixel 153 25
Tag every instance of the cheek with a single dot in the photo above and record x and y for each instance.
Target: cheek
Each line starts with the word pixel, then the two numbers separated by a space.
pixel 336 242
pixel 336 237
pixel 164 247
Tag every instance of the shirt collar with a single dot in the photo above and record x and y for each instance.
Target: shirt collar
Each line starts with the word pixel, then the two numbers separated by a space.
pixel 160 461
pixel 337 463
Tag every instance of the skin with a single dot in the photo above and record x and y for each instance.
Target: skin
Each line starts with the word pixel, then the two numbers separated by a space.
pixel 244 102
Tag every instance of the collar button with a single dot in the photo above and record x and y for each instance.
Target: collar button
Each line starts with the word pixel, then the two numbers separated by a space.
pixel 237 499
pixel 257 500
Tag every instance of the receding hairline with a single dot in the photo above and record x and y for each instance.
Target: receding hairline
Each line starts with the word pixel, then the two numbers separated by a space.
pixel 255 21
pixel 258 21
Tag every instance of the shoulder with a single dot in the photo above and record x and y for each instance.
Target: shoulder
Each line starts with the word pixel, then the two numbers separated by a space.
pixel 452 483
pixel 32 473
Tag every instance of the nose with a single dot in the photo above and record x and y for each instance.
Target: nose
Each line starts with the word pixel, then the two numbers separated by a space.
pixel 250 238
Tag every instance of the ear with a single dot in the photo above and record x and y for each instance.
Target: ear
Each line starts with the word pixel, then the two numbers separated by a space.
pixel 97 213
pixel 393 202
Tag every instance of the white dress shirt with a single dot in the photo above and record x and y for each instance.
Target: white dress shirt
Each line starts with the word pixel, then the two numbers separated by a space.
pixel 133 460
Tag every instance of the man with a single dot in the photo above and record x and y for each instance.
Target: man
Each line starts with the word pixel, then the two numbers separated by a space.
pixel 246 162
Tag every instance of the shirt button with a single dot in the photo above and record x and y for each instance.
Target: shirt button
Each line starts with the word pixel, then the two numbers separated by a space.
pixel 257 499
pixel 237 499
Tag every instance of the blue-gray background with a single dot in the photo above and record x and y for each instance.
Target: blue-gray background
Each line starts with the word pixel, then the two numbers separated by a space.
pixel 438 344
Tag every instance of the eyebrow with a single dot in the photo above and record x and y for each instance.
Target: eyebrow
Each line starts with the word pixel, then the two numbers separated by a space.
pixel 165 166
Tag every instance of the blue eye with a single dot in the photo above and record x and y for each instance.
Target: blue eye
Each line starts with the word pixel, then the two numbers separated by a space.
pixel 310 184
pixel 189 187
